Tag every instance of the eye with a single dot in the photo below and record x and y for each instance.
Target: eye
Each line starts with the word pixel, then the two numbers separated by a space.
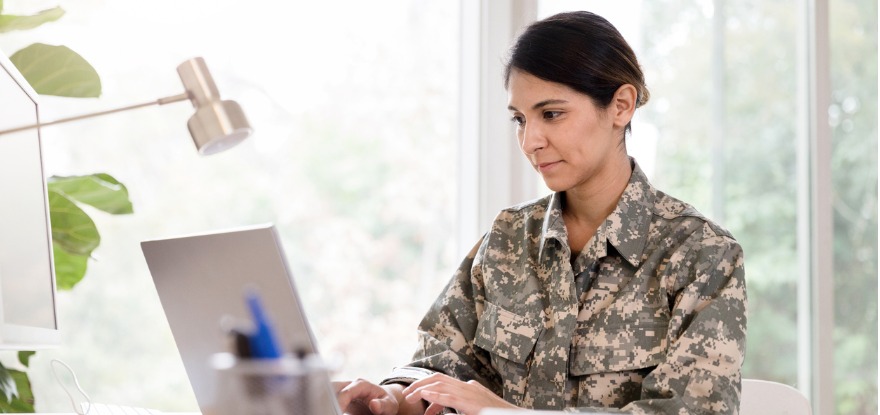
pixel 519 120
pixel 551 115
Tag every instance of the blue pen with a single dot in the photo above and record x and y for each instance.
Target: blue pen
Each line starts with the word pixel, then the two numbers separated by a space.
pixel 263 343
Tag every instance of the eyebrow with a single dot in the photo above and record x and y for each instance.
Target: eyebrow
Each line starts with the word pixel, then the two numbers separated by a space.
pixel 541 104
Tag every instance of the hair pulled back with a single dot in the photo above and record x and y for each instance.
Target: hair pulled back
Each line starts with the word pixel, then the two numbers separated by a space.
pixel 581 50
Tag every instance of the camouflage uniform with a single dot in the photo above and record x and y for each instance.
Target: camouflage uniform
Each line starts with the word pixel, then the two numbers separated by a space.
pixel 650 317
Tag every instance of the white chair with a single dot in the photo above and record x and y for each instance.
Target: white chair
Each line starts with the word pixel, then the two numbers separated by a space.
pixel 759 397
pixel 763 397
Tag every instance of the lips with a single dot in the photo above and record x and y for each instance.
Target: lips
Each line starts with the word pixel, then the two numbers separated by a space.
pixel 543 167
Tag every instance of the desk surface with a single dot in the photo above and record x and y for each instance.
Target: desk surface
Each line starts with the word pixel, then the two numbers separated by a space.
pixel 122 413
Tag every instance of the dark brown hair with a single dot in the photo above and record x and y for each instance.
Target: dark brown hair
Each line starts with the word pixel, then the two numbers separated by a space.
pixel 581 50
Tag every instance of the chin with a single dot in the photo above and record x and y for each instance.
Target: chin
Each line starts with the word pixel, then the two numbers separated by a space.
pixel 556 187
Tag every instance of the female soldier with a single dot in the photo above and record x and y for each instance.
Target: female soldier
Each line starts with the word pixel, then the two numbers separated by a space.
pixel 607 293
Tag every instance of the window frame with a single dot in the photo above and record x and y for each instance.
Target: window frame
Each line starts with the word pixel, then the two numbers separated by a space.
pixel 493 174
pixel 815 215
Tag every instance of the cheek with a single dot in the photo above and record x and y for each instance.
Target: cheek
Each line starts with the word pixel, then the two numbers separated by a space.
pixel 592 132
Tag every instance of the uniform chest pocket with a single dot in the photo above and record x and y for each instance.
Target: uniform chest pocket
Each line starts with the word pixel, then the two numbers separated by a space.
pixel 507 334
pixel 623 346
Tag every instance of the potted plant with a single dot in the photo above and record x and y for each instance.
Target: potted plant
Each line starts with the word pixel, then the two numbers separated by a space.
pixel 59 71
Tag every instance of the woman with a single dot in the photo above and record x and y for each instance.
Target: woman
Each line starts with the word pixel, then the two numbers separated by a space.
pixel 607 293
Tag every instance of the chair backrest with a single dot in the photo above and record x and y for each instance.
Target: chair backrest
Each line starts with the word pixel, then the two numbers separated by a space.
pixel 763 397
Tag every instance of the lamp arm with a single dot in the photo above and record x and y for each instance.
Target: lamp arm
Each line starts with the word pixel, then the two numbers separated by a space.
pixel 160 101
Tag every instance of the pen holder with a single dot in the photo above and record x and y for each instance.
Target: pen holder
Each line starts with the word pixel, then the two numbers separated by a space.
pixel 282 386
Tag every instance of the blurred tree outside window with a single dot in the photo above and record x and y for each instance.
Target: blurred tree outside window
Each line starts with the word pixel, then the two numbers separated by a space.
pixel 853 118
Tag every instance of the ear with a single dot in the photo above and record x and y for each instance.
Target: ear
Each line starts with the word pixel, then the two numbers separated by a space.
pixel 623 105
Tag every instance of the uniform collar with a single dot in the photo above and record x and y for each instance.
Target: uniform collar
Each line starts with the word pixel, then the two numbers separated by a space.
pixel 626 228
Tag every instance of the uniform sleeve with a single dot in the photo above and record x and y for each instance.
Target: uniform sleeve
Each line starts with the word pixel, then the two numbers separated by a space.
pixel 701 372
pixel 446 333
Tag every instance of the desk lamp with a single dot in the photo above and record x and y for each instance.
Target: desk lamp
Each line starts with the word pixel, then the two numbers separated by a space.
pixel 216 126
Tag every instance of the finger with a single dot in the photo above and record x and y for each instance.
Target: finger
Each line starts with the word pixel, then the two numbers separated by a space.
pixel 444 385
pixel 418 393
pixel 343 401
pixel 357 408
pixel 434 378
pixel 383 406
pixel 467 398
pixel 434 409
pixel 338 386
pixel 437 381
pixel 441 399
pixel 356 390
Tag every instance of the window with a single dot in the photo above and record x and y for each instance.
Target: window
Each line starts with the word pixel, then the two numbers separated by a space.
pixel 853 119
pixel 360 138
pixel 355 110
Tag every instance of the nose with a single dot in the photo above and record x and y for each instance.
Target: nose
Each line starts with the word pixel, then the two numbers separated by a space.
pixel 531 138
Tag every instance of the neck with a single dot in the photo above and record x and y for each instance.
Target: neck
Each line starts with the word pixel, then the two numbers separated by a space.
pixel 591 203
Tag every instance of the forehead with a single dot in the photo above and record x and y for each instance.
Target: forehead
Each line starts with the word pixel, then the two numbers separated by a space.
pixel 524 90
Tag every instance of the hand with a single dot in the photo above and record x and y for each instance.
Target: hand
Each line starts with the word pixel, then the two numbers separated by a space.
pixel 360 397
pixel 442 391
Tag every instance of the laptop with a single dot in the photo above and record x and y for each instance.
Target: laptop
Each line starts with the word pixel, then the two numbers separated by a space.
pixel 202 281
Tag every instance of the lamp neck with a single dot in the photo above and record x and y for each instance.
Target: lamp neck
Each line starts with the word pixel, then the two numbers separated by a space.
pixel 160 101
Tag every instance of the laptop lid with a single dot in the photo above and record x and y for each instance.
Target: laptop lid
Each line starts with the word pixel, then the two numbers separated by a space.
pixel 203 279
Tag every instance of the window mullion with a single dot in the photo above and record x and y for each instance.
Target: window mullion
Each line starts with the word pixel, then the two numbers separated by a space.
pixel 493 174
pixel 816 292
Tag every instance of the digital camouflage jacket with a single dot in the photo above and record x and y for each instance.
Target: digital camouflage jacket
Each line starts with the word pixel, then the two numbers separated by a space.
pixel 650 317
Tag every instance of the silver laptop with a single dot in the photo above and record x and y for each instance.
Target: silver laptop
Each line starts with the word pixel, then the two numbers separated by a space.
pixel 201 281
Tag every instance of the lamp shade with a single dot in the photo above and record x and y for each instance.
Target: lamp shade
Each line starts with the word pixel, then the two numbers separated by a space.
pixel 217 125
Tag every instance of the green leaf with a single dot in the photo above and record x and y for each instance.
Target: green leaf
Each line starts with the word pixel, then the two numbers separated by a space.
pixel 99 190
pixel 73 232
pixel 9 23
pixel 7 385
pixel 69 268
pixel 72 229
pixel 57 70
pixel 24 401
pixel 24 357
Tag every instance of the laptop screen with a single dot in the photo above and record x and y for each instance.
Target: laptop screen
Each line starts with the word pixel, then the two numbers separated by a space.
pixel 202 281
